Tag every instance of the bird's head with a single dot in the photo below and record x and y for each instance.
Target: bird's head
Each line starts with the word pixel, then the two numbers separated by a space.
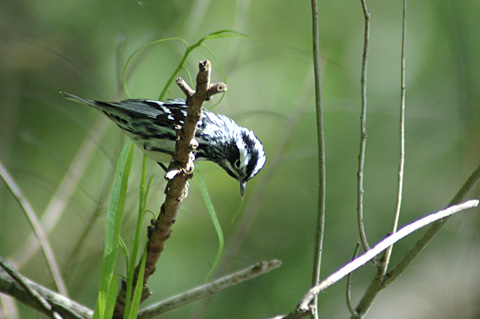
pixel 244 157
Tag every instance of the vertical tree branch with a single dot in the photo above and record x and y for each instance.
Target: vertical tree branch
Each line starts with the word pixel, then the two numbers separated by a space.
pixel 321 153
pixel 388 252
pixel 179 172
pixel 377 283
pixel 363 129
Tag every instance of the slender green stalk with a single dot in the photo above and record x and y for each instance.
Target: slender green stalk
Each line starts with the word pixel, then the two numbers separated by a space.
pixel 363 130
pixel 401 167
pixel 213 216
pixel 321 153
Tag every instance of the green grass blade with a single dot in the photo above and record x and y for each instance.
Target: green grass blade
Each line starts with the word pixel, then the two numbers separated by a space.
pixel 111 297
pixel 213 216
pixel 112 230
pixel 140 50
pixel 222 34
pixel 136 242
pixel 137 295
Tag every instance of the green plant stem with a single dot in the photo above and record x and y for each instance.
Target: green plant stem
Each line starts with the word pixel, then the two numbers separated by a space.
pixel 321 153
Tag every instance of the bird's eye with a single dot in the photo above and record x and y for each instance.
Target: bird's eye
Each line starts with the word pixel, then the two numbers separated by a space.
pixel 237 164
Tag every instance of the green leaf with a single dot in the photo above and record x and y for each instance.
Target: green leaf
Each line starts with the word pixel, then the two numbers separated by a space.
pixel 112 231
pixel 136 242
pixel 140 50
pixel 213 216
pixel 138 289
pixel 222 34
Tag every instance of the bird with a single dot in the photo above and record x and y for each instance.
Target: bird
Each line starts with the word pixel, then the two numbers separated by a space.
pixel 151 125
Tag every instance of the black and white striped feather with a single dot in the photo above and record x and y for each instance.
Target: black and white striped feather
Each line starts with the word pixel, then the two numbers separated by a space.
pixel 151 125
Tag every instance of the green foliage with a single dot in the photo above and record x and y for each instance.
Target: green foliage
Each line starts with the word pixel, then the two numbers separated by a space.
pixel 213 217
pixel 108 283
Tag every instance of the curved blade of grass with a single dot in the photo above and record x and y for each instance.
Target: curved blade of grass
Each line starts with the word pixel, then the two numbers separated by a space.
pixel 124 81
pixel 136 242
pixel 132 314
pixel 112 232
pixel 222 34
pixel 239 210
pixel 221 70
pixel 213 217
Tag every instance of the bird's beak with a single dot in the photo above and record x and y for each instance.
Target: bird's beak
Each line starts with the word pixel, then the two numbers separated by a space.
pixel 242 188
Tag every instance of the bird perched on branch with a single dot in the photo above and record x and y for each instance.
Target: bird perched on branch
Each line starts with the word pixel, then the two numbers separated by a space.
pixel 151 125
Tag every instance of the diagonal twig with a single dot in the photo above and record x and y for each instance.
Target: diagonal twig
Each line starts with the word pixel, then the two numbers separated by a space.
pixel 209 289
pixel 37 228
pixel 67 308
pixel 305 304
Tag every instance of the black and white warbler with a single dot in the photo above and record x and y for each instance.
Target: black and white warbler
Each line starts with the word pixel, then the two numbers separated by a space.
pixel 151 125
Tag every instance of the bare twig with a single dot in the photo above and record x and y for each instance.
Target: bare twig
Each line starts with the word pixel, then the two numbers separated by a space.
pixel 363 129
pixel 317 259
pixel 67 308
pixel 35 296
pixel 388 252
pixel 349 283
pixel 305 303
pixel 209 289
pixel 179 172
pixel 37 228
pixel 434 228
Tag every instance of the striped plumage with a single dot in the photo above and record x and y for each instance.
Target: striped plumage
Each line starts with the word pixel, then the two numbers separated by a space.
pixel 151 125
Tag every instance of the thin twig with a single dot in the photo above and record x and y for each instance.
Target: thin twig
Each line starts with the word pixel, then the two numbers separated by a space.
pixel 349 283
pixel 179 172
pixel 317 259
pixel 305 303
pixel 34 295
pixel 388 252
pixel 403 264
pixel 67 308
pixel 37 228
pixel 363 130
pixel 209 289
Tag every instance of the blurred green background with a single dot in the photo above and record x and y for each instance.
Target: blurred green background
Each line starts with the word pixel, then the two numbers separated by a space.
pixel 63 155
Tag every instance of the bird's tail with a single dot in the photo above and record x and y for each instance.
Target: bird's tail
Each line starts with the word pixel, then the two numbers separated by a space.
pixel 78 99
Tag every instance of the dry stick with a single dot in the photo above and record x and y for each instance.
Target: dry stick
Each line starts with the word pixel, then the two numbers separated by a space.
pixel 377 283
pixel 67 308
pixel 430 233
pixel 179 172
pixel 33 294
pixel 363 130
pixel 409 257
pixel 388 252
pixel 305 304
pixel 349 282
pixel 317 259
pixel 209 289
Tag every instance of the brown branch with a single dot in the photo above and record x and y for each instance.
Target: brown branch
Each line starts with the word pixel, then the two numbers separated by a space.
pixel 179 172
